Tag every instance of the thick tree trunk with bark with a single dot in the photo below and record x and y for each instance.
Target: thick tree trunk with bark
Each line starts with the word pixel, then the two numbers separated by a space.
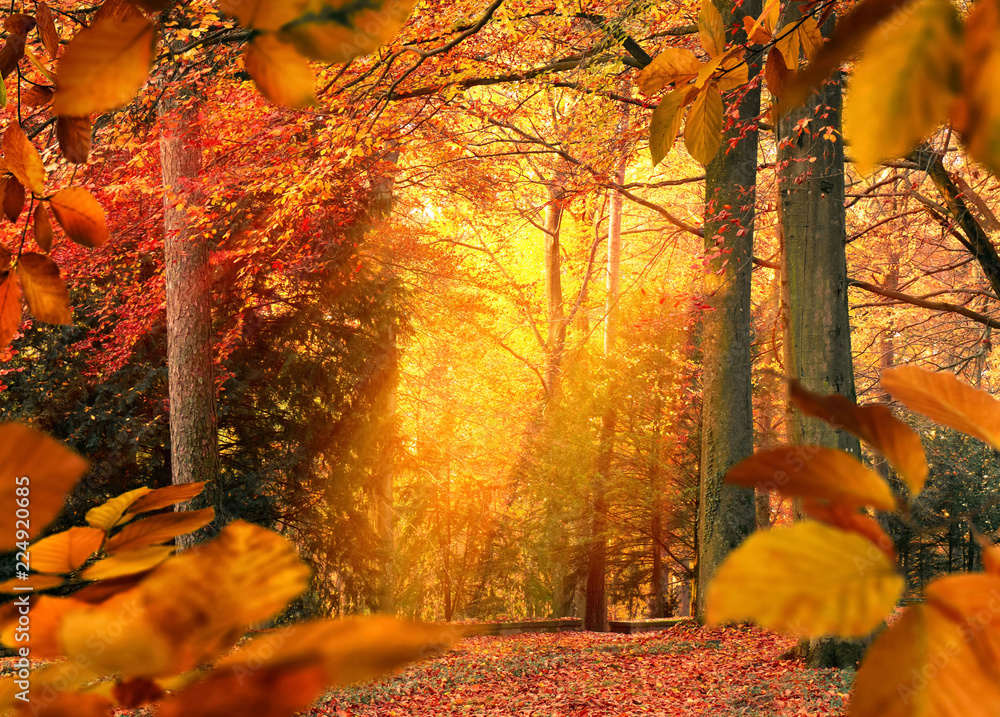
pixel 726 513
pixel 194 450
pixel 817 324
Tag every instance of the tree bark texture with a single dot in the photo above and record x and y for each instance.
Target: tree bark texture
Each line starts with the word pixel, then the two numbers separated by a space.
pixel 726 513
pixel 194 451
pixel 817 323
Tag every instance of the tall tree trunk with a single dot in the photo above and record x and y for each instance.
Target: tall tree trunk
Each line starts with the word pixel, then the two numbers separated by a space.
pixel 556 339
pixel 596 613
pixel 726 513
pixel 380 207
pixel 818 332
pixel 194 448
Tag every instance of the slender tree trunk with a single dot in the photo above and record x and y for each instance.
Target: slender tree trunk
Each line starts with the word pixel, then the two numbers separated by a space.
pixel 596 614
pixel 556 339
pixel 818 332
pixel 726 514
pixel 387 377
pixel 194 449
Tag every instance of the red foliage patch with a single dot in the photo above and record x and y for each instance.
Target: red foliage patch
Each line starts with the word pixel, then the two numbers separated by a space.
pixel 686 670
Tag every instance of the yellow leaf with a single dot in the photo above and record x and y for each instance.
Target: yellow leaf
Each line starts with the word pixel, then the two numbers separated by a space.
pixel 190 609
pixel 931 663
pixel 163 497
pixel 44 289
pixel 711 30
pixel 808 580
pixel 850 520
pixel 282 74
pixel 22 158
pixel 80 216
pixel 703 131
pixel 331 33
pixel 905 83
pixel 128 562
pixel 946 400
pixel 106 515
pixel 735 73
pixel 673 65
pixel 268 15
pixel 65 552
pixel 787 43
pixel 814 473
pixel 977 115
pixel 159 529
pixel 666 123
pixel 810 37
pixel 873 424
pixel 35 582
pixel 50 469
pixel 104 66
pixel 308 657
pixel 10 309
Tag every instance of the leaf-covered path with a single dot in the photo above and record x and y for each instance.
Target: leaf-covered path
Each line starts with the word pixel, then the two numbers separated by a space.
pixel 686 670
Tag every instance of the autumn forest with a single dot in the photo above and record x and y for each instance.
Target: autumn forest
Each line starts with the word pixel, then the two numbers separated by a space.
pixel 600 357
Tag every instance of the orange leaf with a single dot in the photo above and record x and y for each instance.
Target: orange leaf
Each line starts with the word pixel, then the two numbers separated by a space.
pixel 13 198
pixel 282 74
pixel 271 691
pixel 43 228
pixel 991 555
pixel 36 96
pixel 80 216
pixel 814 473
pixel 47 29
pixel 852 521
pixel 104 66
pixel 191 608
pixel 74 135
pixel 268 15
pixel 875 425
pixel 163 497
pixel 337 34
pixel 923 665
pixel 755 32
pixel 65 552
pixel 35 582
pixel 946 400
pixel 51 470
pixel 128 562
pixel 23 159
pixel 159 529
pixel 10 309
pixel 44 289
pixel 850 33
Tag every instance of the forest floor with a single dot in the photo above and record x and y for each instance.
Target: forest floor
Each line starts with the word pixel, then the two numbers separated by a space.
pixel 686 670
